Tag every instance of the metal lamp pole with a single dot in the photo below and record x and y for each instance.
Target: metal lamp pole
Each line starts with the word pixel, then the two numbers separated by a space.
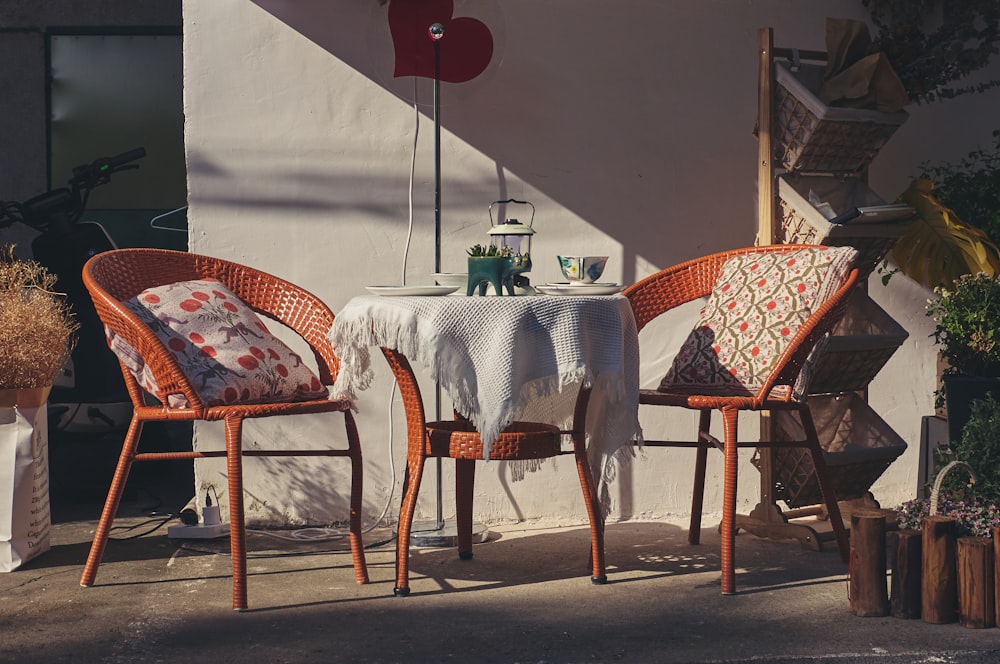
pixel 439 533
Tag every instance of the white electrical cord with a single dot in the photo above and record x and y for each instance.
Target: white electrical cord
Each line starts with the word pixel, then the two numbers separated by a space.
pixel 317 534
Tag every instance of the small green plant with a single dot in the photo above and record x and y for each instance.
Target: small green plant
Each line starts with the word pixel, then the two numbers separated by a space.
pixel 480 251
pixel 967 324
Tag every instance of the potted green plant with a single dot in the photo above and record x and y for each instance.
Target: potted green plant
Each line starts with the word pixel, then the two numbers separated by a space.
pixel 36 337
pixel 967 332
pixel 495 266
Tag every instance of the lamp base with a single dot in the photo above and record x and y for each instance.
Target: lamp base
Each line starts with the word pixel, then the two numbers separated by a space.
pixel 442 535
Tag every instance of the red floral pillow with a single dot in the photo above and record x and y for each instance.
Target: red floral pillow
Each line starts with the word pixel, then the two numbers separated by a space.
pixel 755 309
pixel 223 347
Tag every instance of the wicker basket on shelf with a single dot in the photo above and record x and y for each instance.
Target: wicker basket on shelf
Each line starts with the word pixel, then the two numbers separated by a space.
pixel 815 138
pixel 802 222
pixel 858 347
pixel 859 447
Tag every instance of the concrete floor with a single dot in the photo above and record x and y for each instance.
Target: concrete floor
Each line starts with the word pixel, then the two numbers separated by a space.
pixel 525 597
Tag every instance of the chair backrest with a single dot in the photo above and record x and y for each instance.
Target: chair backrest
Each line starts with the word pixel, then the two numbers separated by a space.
pixel 115 277
pixel 764 321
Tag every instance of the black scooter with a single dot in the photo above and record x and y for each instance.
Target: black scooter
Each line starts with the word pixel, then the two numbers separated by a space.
pixel 89 396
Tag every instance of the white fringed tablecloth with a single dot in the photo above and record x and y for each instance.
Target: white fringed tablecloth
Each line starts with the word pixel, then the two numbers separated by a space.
pixel 501 359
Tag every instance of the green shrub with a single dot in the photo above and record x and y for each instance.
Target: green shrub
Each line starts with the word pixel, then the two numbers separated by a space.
pixel 971 187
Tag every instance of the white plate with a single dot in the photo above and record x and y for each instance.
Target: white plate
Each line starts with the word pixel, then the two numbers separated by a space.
pixel 580 284
pixel 411 290
pixel 456 279
pixel 579 289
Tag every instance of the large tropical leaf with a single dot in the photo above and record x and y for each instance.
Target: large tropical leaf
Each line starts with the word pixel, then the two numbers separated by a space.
pixel 939 247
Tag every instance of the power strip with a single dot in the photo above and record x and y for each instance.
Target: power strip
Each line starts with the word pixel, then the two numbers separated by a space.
pixel 210 527
pixel 198 531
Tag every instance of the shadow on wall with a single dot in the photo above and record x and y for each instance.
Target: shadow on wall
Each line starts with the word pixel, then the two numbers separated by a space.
pixel 624 144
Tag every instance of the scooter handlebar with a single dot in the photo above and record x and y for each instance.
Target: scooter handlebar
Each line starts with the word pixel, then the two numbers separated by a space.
pixel 100 170
pixel 126 157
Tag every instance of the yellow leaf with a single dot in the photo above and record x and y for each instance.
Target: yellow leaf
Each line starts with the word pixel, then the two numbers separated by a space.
pixel 938 247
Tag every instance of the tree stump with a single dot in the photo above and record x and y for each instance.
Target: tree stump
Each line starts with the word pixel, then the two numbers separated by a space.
pixel 905 560
pixel 939 597
pixel 976 608
pixel 867 591
pixel 996 573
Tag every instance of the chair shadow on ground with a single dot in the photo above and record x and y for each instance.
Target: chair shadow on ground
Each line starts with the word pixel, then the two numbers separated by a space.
pixel 512 556
pixel 635 551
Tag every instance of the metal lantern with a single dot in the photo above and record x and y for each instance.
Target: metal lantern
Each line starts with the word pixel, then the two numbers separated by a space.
pixel 512 234
pixel 508 259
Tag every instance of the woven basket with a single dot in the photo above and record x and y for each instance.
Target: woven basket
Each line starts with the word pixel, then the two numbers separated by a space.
pixel 858 445
pixel 815 138
pixel 458 439
pixel 801 223
pixel 859 346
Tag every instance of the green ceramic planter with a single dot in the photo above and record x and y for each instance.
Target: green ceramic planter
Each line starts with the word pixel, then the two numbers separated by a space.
pixel 496 271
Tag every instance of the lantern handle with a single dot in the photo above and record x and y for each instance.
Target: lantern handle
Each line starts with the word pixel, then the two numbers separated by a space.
pixel 512 200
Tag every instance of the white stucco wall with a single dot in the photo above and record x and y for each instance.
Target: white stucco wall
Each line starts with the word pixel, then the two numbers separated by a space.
pixel 627 124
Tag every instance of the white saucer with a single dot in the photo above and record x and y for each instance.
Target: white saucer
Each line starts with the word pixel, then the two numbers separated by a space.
pixel 566 288
pixel 397 291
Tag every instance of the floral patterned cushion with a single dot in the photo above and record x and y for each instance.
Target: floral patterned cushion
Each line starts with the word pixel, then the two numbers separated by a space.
pixel 754 311
pixel 223 347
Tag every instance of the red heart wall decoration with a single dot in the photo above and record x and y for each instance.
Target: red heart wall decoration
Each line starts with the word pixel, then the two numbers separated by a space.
pixel 466 48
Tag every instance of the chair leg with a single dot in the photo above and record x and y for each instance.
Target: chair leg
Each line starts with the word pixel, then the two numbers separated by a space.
pixel 594 514
pixel 465 480
pixel 411 487
pixel 237 525
pixel 825 484
pixel 125 461
pixel 357 486
pixel 729 419
pixel 598 571
pixel 698 494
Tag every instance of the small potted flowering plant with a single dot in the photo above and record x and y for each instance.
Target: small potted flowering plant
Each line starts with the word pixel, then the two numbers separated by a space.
pixel 975 504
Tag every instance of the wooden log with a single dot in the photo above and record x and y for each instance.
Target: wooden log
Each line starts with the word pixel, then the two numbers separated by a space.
pixel 976 608
pixel 996 574
pixel 905 562
pixel 939 596
pixel 867 591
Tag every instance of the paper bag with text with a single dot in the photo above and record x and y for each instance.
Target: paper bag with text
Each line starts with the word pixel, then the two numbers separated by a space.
pixel 25 519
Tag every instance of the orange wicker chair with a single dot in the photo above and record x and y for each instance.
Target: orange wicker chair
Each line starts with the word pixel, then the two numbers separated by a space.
pixel 459 440
pixel 695 279
pixel 117 276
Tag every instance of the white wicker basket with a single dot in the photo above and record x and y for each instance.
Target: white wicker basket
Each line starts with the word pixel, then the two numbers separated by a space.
pixel 858 347
pixel 858 447
pixel 800 222
pixel 815 138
